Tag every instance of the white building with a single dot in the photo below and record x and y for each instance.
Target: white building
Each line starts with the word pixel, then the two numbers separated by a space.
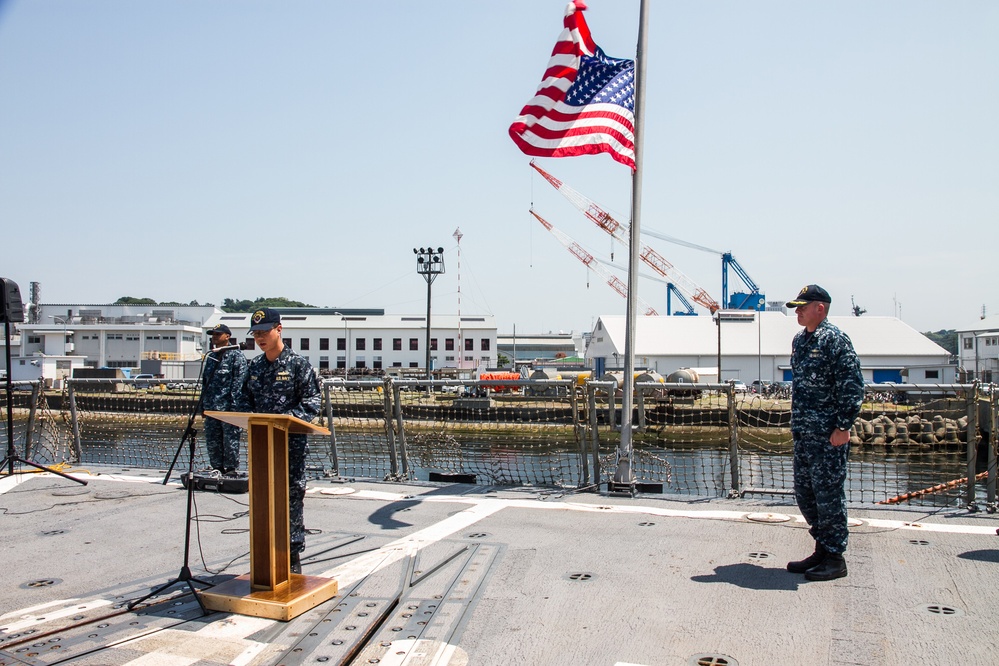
pixel 757 345
pixel 170 340
pixel 526 349
pixel 978 349
pixel 372 341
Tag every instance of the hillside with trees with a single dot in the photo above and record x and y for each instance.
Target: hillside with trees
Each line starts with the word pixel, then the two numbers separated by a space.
pixel 946 338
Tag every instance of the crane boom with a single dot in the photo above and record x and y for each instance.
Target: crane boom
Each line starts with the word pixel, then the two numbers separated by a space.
pixel 591 262
pixel 617 230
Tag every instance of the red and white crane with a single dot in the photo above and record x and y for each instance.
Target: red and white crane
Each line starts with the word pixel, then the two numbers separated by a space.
pixel 619 231
pixel 591 262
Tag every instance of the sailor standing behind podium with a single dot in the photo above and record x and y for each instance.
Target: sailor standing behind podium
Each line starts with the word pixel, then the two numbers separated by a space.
pixel 279 381
pixel 221 390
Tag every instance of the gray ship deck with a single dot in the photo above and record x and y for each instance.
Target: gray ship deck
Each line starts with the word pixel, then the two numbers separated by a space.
pixel 460 574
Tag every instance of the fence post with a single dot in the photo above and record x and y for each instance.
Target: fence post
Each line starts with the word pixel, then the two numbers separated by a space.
pixel 584 464
pixel 334 453
pixel 390 430
pixel 733 440
pixel 591 413
pixel 969 495
pixel 32 409
pixel 993 446
pixel 75 420
pixel 401 424
pixel 640 395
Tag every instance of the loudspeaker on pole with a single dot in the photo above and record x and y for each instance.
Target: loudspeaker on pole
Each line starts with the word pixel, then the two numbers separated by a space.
pixel 11 307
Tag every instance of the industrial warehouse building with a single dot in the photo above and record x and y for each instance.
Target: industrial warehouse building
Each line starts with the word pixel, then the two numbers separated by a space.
pixel 757 346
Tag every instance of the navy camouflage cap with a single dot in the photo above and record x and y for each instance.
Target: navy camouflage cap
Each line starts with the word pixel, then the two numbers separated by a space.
pixel 809 294
pixel 264 319
pixel 219 328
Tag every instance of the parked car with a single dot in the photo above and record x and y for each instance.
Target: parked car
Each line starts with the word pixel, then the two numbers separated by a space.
pixel 740 387
pixel 143 381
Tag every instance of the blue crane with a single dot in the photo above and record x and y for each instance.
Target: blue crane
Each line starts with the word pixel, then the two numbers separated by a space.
pixel 753 300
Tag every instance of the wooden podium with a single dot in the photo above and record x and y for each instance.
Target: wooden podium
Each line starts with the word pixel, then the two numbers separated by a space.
pixel 270 589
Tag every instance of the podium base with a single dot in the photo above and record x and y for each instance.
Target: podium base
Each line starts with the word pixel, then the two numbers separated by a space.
pixel 302 593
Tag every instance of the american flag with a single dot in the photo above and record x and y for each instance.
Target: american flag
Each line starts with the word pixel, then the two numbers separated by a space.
pixel 586 101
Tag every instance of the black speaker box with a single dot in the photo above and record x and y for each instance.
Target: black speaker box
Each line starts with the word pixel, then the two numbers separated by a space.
pixel 11 308
pixel 232 485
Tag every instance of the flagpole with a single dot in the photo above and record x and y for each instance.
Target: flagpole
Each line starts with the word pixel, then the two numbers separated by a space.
pixel 624 475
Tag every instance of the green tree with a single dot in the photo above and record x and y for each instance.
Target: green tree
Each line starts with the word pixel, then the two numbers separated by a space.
pixel 131 300
pixel 234 305
pixel 946 338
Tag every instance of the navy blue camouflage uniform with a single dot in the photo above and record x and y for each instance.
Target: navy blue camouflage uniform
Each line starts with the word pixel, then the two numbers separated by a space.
pixel 826 393
pixel 287 386
pixel 221 390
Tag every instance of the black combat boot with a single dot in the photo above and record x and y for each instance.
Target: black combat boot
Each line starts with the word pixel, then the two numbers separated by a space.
pixel 296 563
pixel 813 560
pixel 832 567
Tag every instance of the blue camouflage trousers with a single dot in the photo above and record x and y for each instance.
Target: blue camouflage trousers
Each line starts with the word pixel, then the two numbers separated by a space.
pixel 297 452
pixel 222 442
pixel 820 489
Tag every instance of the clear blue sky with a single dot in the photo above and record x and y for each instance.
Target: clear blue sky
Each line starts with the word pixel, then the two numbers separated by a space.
pixel 191 150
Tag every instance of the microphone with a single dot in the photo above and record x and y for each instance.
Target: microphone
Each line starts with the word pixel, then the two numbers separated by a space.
pixel 218 349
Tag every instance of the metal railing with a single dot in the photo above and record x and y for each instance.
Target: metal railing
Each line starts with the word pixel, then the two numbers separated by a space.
pixel 926 444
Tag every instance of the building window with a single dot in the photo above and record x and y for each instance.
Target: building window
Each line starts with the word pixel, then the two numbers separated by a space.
pixel 287 342
pixel 324 363
pixel 396 344
pixel 969 343
pixel 249 344
pixel 470 358
pixel 449 344
pixel 414 345
pixel 324 344
pixel 359 345
pixel 376 364
pixel 376 344
pixel 303 344
pixel 449 358
pixel 933 374
pixel 34 339
pixel 396 364
pixel 341 344
pixel 469 344
pixel 485 345
pixel 433 344
pixel 414 364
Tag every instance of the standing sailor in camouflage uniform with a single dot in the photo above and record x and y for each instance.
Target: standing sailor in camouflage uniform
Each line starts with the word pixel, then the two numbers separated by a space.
pixel 221 388
pixel 827 389
pixel 279 381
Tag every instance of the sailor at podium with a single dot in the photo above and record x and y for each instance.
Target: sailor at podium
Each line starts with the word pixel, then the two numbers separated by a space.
pixel 279 381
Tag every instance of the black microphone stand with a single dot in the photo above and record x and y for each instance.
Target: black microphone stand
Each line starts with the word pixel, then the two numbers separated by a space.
pixel 190 435
pixel 12 456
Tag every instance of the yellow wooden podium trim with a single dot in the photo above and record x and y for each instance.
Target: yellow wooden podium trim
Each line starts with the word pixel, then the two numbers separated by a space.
pixel 300 593
pixel 270 589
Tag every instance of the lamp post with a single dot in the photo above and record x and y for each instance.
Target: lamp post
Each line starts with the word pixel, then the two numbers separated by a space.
pixel 429 264
pixel 61 320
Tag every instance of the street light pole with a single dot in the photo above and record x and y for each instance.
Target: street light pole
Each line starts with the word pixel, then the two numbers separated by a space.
pixel 429 264
pixel 65 333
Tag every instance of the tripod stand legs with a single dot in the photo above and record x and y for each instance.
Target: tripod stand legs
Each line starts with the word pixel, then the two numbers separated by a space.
pixel 11 459
pixel 185 575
